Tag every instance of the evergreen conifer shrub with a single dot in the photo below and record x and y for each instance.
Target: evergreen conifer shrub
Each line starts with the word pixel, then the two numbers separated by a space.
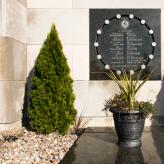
pixel 52 99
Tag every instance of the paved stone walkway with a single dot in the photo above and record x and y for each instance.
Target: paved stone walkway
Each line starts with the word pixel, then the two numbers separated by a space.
pixel 99 146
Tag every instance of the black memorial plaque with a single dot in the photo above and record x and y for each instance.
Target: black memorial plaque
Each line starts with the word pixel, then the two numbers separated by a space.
pixel 124 39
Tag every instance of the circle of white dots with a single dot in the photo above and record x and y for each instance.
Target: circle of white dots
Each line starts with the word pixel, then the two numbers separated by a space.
pixel 118 16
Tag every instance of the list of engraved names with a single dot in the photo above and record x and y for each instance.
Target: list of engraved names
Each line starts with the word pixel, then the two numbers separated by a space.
pixel 126 49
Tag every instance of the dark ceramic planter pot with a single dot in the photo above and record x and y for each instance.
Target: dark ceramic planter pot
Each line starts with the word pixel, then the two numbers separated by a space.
pixel 129 127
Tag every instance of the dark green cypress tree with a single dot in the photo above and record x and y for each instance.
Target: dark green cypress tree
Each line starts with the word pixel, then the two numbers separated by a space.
pixel 52 99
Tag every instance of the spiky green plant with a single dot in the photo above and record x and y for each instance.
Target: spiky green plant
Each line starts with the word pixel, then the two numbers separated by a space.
pixel 129 87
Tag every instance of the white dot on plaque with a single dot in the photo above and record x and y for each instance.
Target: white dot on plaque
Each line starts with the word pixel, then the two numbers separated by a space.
pixel 150 31
pixel 118 16
pixel 106 21
pixel 118 72
pixel 151 56
pixel 98 31
pixel 96 44
pixel 143 66
pixel 154 44
pixel 107 66
pixel 143 21
pixel 131 16
pixel 131 72
pixel 99 56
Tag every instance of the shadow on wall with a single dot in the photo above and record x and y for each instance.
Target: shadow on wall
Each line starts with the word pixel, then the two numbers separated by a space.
pixel 158 133
pixel 25 120
pixel 159 104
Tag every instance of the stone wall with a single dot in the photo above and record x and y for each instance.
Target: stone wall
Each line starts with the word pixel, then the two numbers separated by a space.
pixel 13 61
pixel 72 20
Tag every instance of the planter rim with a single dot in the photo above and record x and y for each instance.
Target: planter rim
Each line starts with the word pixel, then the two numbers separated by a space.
pixel 125 112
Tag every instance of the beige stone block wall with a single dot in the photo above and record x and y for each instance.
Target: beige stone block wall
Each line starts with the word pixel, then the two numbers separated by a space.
pixel 162 59
pixel 11 98
pixel 23 2
pixel 8 126
pixel 91 95
pixel 0 17
pixel 73 26
pixel 13 59
pixel 49 4
pixel 117 4
pixel 81 62
pixel 14 20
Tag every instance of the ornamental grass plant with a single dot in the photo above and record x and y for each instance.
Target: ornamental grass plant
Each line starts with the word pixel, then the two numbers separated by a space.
pixel 126 99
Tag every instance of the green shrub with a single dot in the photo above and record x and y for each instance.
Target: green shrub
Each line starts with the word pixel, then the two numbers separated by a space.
pixel 52 99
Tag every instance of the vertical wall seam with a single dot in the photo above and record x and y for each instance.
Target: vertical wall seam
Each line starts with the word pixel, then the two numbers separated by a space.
pixel 2 18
